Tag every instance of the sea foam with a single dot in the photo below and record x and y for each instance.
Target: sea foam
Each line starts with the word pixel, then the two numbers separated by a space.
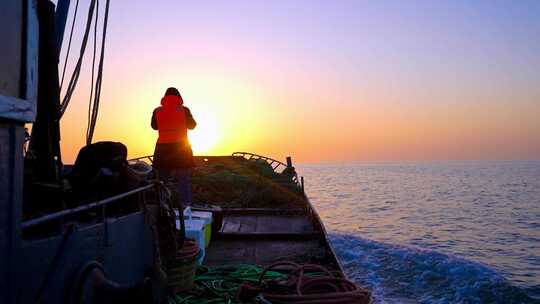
pixel 403 274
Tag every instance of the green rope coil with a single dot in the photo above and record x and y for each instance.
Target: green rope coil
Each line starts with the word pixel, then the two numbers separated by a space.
pixel 219 285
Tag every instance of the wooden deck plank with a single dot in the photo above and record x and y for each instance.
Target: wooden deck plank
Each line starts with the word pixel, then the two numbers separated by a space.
pixel 234 252
pixel 279 224
pixel 266 224
pixel 270 252
pixel 229 253
pixel 243 224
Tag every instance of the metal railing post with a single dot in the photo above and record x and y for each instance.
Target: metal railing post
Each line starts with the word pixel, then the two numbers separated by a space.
pixel 289 162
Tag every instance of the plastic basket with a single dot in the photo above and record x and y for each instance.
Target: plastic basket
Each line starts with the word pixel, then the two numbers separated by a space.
pixel 181 274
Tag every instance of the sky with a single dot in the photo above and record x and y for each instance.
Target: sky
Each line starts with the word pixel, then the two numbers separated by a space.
pixel 321 80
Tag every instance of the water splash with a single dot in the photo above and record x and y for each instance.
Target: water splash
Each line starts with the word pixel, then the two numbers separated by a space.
pixel 399 274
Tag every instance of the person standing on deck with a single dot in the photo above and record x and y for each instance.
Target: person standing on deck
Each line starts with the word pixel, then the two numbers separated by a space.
pixel 173 156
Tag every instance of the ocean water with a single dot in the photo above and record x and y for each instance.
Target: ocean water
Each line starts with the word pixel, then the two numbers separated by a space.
pixel 441 232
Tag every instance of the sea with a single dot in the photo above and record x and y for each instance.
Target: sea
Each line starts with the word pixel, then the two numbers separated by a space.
pixel 434 232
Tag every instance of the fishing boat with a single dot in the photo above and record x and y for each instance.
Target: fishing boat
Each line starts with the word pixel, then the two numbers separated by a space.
pixel 81 234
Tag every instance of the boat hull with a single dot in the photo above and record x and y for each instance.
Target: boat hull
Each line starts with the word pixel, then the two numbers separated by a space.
pixel 49 268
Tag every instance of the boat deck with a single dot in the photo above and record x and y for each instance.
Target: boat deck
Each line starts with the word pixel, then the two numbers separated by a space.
pixel 264 239
pixel 260 252
pixel 266 224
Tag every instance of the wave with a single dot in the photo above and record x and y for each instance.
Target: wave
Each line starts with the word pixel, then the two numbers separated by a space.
pixel 399 274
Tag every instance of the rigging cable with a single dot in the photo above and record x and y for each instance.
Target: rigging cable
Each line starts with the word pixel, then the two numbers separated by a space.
pixel 76 72
pixel 93 70
pixel 99 79
pixel 69 44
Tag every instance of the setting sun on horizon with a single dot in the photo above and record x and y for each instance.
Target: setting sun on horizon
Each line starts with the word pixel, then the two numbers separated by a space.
pixel 207 135
pixel 321 81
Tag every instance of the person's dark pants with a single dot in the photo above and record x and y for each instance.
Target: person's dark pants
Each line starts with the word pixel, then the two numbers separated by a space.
pixel 182 178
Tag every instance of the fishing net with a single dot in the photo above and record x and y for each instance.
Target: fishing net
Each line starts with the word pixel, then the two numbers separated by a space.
pixel 244 184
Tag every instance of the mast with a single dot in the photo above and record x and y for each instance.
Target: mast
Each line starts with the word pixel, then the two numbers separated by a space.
pixel 18 98
pixel 43 158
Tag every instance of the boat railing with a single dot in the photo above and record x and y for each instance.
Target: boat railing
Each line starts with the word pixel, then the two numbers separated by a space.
pixel 276 165
pixel 146 158
pixel 101 203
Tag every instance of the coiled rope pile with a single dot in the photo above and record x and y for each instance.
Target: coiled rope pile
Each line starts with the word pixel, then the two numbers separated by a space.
pixel 300 284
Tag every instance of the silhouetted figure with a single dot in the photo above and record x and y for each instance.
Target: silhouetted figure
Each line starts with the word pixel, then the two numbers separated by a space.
pixel 173 156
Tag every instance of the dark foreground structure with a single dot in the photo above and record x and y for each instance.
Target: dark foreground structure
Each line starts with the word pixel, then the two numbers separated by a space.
pixel 103 230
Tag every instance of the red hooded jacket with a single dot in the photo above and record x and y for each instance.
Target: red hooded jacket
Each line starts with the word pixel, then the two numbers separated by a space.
pixel 171 120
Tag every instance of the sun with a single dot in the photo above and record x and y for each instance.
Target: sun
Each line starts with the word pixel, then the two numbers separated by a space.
pixel 206 134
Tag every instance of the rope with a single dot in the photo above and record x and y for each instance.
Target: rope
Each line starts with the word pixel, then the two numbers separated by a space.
pixel 99 78
pixel 221 284
pixel 93 71
pixel 95 88
pixel 303 289
pixel 76 72
pixel 69 44
pixel 299 284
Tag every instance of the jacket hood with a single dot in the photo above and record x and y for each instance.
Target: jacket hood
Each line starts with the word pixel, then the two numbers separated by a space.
pixel 171 101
